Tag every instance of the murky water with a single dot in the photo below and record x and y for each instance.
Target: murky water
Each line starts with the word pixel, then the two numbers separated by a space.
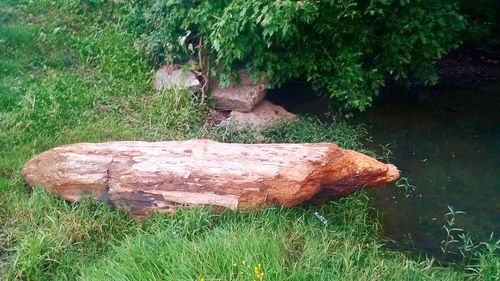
pixel 447 143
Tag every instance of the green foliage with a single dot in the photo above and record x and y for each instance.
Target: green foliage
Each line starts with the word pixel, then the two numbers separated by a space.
pixel 346 49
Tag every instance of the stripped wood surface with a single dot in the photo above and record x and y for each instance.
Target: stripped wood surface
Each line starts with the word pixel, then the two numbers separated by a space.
pixel 160 176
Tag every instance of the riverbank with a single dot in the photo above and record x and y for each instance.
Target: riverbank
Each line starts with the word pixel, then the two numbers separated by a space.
pixel 69 73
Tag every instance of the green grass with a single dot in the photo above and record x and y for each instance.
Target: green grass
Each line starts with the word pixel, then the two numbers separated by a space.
pixel 289 244
pixel 69 72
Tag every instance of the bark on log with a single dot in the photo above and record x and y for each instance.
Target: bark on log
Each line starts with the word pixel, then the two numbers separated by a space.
pixel 160 176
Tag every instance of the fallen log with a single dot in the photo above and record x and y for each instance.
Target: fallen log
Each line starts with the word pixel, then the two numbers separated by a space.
pixel 160 176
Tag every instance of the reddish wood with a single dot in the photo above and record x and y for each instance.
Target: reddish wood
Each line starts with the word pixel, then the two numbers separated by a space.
pixel 160 176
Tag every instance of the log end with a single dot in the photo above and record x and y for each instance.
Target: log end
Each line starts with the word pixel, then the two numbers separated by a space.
pixel 60 172
pixel 354 171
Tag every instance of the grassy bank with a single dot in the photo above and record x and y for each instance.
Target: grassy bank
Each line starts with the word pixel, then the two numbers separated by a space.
pixel 69 72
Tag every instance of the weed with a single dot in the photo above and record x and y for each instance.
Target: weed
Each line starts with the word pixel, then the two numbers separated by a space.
pixel 451 231
pixel 404 184
pixel 479 259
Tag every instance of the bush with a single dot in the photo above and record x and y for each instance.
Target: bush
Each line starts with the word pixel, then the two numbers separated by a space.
pixel 346 49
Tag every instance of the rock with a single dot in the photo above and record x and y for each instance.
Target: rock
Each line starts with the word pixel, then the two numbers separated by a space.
pixel 161 176
pixel 242 96
pixel 169 76
pixel 264 114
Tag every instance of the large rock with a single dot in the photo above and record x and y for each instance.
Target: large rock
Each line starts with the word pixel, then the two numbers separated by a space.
pixel 239 96
pixel 169 76
pixel 264 114
pixel 160 176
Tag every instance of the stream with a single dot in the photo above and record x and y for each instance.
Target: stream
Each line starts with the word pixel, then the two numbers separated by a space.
pixel 446 142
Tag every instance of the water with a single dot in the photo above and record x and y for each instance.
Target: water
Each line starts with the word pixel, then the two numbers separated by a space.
pixel 447 143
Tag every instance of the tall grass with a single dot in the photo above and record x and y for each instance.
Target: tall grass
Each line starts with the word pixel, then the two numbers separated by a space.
pixel 69 72
pixel 283 244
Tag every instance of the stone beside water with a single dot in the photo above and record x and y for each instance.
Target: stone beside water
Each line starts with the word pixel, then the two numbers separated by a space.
pixel 245 98
pixel 240 96
pixel 265 114
pixel 169 76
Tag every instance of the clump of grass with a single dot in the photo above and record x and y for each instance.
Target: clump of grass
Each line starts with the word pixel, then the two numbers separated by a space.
pixel 52 239
pixel 172 114
pixel 488 265
pixel 303 129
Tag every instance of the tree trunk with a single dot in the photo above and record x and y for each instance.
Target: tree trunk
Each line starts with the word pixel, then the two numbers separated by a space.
pixel 160 176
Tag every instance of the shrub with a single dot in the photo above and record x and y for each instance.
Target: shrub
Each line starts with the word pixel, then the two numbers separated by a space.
pixel 346 49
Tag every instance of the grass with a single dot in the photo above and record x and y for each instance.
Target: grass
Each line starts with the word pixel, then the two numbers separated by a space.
pixel 69 72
